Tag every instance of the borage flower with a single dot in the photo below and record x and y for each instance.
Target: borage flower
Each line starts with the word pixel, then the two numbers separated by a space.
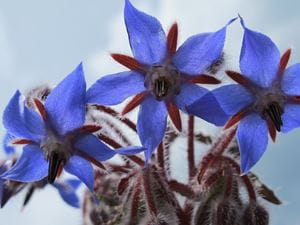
pixel 266 98
pixel 58 135
pixel 162 78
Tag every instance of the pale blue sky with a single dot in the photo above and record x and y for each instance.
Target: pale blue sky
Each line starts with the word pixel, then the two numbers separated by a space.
pixel 42 41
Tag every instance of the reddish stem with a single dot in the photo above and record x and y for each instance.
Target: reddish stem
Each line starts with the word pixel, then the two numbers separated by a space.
pixel 161 158
pixel 182 189
pixel 229 183
pixel 117 131
pixel 148 193
pixel 215 151
pixel 135 200
pixel 116 115
pixel 250 188
pixel 190 150
pixel 245 178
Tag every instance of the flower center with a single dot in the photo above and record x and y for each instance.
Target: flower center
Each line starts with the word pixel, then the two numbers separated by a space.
pixel 163 81
pixel 270 106
pixel 57 152
pixel 274 112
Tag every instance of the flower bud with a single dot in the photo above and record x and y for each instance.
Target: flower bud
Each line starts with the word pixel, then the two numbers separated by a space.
pixel 225 213
pixel 255 215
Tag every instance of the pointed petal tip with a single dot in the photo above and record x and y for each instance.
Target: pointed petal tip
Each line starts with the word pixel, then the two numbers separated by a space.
pixel 242 21
pixel 232 20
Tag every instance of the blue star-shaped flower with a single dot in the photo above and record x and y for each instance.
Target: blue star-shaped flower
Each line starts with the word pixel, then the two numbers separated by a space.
pixel 162 78
pixel 58 135
pixel 266 98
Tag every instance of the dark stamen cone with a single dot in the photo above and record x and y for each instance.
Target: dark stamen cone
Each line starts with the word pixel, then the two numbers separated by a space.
pixel 161 88
pixel 274 112
pixel 54 165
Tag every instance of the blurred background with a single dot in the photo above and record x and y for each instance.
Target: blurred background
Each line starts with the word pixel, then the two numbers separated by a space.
pixel 42 41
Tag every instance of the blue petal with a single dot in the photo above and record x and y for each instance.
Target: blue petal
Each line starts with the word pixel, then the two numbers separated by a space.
pixel 74 183
pixel 9 150
pixel 152 122
pixel 233 98
pixel 114 89
pixel 290 117
pixel 92 146
pixel 252 135
pixel 198 52
pixel 66 102
pixel 30 167
pixel 291 80
pixel 259 59
pixel 82 169
pixel 146 36
pixel 132 150
pixel 189 93
pixel 209 109
pixel 20 121
pixel 35 123
pixel 68 193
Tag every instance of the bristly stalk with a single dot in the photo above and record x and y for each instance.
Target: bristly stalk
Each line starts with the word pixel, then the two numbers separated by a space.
pixel 190 149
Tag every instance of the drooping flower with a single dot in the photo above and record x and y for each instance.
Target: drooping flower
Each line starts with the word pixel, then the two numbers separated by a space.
pixel 162 78
pixel 55 136
pixel 266 98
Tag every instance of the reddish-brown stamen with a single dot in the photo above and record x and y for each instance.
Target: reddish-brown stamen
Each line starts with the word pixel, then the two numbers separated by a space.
pixel 284 61
pixel 174 115
pixel 237 77
pixel 127 61
pixel 22 142
pixel 41 108
pixel 204 79
pixel 294 99
pixel 236 118
pixel 172 39
pixel 89 129
pixel 91 159
pixel 134 102
pixel 272 130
